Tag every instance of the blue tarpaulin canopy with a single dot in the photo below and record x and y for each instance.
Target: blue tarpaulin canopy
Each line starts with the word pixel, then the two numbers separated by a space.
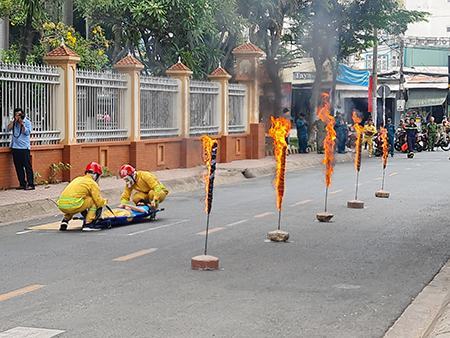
pixel 351 76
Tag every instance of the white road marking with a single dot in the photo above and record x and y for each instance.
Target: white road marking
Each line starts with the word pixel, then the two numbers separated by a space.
pixel 236 223
pixel 393 174
pixel 20 292
pixel 264 214
pixel 156 228
pixel 134 255
pixel 336 192
pixel 30 332
pixel 300 203
pixel 210 231
pixel 408 168
pixel 23 232
pixel 378 179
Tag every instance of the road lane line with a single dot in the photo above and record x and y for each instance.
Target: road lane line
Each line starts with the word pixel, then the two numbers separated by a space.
pixel 134 255
pixel 393 174
pixel 300 203
pixel 23 232
pixel 31 332
pixel 156 228
pixel 378 178
pixel 236 223
pixel 336 192
pixel 210 231
pixel 20 292
pixel 264 214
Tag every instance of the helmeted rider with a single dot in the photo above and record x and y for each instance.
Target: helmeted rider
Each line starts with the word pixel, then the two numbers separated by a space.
pixel 148 189
pixel 82 195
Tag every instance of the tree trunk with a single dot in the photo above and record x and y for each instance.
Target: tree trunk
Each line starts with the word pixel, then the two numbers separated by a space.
pixel 318 62
pixel 335 67
pixel 273 71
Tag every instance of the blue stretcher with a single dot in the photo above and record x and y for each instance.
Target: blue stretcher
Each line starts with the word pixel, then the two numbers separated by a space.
pixel 116 217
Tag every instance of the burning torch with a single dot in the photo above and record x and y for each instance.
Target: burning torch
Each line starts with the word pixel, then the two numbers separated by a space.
pixel 279 131
pixel 385 144
pixel 205 261
pixel 323 112
pixel 356 204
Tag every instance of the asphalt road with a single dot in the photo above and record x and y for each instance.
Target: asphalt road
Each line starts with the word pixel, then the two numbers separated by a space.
pixel 349 278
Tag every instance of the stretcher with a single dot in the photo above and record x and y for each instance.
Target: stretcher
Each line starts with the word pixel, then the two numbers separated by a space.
pixel 130 214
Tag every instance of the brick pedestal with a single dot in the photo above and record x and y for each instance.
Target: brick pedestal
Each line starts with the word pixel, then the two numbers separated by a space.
pixel 382 194
pixel 324 217
pixel 205 262
pixel 355 204
pixel 278 236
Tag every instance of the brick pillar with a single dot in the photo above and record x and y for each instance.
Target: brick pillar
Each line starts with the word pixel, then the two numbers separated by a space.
pixel 182 73
pixel 131 67
pixel 66 60
pixel 247 72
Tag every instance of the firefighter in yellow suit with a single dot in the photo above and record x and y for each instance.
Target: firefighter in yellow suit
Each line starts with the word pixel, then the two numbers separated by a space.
pixel 82 195
pixel 148 188
pixel 369 132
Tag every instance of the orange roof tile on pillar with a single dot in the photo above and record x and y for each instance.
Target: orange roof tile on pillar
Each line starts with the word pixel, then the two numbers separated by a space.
pixel 248 48
pixel 179 68
pixel 219 73
pixel 61 53
pixel 129 62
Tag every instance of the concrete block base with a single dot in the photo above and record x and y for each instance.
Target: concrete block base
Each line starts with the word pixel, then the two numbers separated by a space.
pixel 205 262
pixel 355 204
pixel 324 217
pixel 382 194
pixel 278 236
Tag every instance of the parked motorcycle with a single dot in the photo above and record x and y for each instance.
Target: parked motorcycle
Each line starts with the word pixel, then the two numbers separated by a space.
pixel 443 142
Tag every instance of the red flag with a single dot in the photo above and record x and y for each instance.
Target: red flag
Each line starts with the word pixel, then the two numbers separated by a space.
pixel 370 103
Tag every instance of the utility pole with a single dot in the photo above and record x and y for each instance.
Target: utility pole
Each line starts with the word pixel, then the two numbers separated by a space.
pixel 401 97
pixel 4 33
pixel 375 79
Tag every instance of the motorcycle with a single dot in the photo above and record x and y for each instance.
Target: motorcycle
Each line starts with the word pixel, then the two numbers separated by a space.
pixel 401 142
pixel 443 142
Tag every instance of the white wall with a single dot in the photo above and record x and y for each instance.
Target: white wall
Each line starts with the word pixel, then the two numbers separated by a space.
pixel 438 21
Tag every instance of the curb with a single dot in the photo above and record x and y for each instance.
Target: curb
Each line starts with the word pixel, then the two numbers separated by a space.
pixel 427 316
pixel 14 213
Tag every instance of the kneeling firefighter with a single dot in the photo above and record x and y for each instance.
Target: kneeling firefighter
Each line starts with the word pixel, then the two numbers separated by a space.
pixel 148 189
pixel 82 195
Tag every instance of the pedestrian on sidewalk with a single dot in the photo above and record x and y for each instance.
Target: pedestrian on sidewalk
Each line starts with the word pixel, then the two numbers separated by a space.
pixel 82 195
pixel 20 148
pixel 302 134
pixel 432 131
pixel 342 133
pixel 369 132
pixel 148 189
pixel 411 134
pixel 321 132
pixel 391 136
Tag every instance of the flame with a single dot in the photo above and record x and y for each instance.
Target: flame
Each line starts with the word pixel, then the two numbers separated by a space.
pixel 209 157
pixel 323 113
pixel 385 143
pixel 279 131
pixel 359 135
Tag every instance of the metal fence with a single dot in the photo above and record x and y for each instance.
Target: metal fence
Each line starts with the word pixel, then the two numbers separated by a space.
pixel 33 88
pixel 100 106
pixel 237 109
pixel 159 98
pixel 204 117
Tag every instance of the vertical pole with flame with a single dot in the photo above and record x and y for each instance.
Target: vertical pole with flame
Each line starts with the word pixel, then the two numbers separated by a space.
pixel 385 144
pixel 359 129
pixel 324 114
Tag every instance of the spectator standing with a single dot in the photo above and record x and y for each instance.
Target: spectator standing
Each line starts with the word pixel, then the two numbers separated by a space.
pixel 391 136
pixel 20 147
pixel 302 134
pixel 432 131
pixel 411 133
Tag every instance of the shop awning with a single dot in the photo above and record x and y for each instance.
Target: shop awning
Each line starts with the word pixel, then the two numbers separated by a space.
pixel 426 97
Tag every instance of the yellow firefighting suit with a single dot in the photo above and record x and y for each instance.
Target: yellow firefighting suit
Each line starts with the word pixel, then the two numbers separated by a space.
pixel 147 187
pixel 82 194
pixel 369 132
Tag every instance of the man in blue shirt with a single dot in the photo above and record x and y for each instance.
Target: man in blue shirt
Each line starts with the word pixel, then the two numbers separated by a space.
pixel 20 147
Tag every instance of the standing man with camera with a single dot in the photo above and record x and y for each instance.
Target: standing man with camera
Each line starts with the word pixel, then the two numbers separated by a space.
pixel 20 147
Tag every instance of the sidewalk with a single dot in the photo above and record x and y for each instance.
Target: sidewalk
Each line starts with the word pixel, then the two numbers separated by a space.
pixel 16 205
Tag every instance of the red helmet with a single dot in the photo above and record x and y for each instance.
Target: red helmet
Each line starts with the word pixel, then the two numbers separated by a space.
pixel 126 170
pixel 95 168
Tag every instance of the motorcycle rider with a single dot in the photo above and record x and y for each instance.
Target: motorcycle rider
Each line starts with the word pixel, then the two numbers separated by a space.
pixel 82 195
pixel 391 136
pixel 411 133
pixel 432 130
pixel 369 132
pixel 148 189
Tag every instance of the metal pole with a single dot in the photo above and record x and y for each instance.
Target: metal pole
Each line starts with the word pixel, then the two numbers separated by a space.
pixel 279 219
pixel 384 175
pixel 326 199
pixel 384 105
pixel 206 237
pixel 357 185
pixel 375 79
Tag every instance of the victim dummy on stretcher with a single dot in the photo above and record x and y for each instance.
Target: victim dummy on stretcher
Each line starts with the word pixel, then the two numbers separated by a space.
pixel 129 214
